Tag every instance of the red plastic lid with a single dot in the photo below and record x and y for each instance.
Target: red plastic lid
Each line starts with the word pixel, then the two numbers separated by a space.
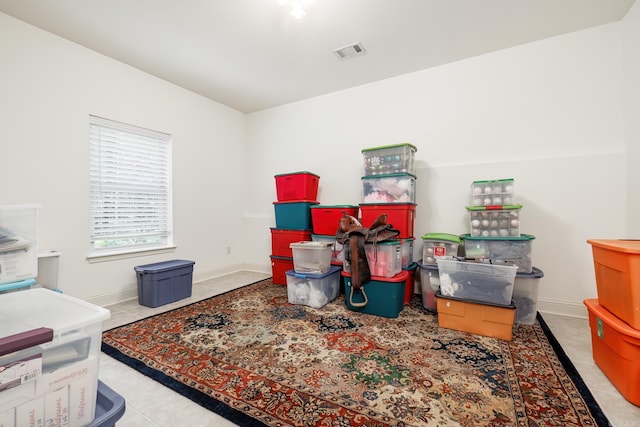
pixel 313 202
pixel 402 276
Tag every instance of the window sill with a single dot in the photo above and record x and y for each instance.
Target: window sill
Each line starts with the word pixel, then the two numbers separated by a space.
pixel 117 255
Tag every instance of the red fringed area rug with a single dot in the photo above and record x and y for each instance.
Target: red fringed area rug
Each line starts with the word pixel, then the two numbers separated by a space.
pixel 254 358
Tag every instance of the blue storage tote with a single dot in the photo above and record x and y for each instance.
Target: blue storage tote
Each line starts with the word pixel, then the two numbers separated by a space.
pixel 294 215
pixel 164 282
pixel 385 295
pixel 110 407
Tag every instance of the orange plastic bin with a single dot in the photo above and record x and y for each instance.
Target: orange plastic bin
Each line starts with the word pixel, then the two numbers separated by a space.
pixel 616 350
pixel 617 270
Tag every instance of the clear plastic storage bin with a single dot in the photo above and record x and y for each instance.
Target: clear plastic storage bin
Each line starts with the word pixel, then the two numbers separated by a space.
pixel 495 192
pixel 437 245
pixel 516 249
pixel 313 290
pixel 337 254
pixel 388 159
pixel 384 258
pixel 18 243
pixel 498 221
pixel 52 343
pixel 395 188
pixel 477 281
pixel 311 257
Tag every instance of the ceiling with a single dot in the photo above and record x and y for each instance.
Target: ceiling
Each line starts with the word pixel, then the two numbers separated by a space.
pixel 252 55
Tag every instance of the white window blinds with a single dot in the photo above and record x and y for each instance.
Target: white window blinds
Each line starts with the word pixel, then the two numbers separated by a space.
pixel 130 187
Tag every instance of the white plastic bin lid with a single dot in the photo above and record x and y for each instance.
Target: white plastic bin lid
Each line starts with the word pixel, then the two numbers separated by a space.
pixel 310 245
pixel 35 308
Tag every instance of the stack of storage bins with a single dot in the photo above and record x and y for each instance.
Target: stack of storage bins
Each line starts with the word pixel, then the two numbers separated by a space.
pixel 434 245
pixel 313 281
pixel 389 188
pixel 614 317
pixel 18 247
pixel 296 193
pixel 51 355
pixel 495 235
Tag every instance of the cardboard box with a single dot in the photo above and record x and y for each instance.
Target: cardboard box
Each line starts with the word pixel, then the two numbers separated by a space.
pixel 483 319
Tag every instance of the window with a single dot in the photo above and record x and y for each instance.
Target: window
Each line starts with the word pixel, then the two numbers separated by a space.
pixel 130 188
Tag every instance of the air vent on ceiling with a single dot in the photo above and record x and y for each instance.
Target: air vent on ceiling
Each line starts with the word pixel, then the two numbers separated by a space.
pixel 350 51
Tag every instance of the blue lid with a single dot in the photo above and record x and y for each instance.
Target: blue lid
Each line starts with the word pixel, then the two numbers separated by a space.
pixel 163 266
pixel 332 269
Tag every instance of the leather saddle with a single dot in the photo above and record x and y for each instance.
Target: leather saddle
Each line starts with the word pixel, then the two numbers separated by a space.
pixel 353 236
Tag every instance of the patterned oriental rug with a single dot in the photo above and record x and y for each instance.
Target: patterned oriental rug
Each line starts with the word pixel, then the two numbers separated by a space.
pixel 257 360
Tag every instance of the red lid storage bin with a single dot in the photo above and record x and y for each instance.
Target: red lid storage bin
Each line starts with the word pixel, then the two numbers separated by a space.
pixel 297 186
pixel 279 267
pixel 326 219
pixel 400 215
pixel 281 239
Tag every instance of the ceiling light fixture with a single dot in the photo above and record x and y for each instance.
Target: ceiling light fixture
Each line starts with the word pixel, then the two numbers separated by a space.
pixel 297 9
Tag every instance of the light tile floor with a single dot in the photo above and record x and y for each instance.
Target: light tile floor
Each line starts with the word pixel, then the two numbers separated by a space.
pixel 150 404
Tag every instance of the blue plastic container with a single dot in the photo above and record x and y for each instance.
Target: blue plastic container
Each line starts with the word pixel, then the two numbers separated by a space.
pixel 294 215
pixel 385 295
pixel 164 282
pixel 110 407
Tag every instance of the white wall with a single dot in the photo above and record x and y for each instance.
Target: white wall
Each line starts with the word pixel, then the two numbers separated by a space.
pixel 49 88
pixel 548 114
pixel 631 86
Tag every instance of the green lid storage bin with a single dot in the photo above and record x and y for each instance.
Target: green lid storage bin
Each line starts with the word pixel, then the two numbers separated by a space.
pixel 515 249
pixel 437 245
pixel 389 159
pixel 494 192
pixel 494 221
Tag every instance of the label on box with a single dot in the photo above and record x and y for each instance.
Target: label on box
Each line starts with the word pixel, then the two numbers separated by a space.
pixel 31 414
pixel 439 251
pixel 17 265
pixel 20 371
pixel 64 376
pixel 56 408
pixel 80 398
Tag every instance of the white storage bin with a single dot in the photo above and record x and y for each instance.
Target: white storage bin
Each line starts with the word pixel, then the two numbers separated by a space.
pixel 493 192
pixel 311 257
pixel 337 254
pixel 394 188
pixel 314 290
pixel 476 281
pixel 18 243
pixel 63 364
pixel 437 245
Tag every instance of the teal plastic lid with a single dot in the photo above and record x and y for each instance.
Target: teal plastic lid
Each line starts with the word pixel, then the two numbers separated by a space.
pixel 494 207
pixel 522 237
pixel 390 175
pixel 442 236
pixel 493 180
pixel 298 173
pixel 335 206
pixel 382 147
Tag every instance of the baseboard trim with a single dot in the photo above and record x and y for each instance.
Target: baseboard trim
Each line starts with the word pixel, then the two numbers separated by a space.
pixel 562 308
pixel 131 291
